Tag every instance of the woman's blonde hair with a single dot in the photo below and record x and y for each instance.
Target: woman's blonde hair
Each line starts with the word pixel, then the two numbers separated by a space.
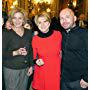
pixel 42 14
pixel 15 10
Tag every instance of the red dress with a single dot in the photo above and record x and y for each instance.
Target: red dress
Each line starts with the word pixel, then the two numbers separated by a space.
pixel 47 77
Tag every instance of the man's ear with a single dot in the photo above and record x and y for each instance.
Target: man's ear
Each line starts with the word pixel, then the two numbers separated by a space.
pixel 75 18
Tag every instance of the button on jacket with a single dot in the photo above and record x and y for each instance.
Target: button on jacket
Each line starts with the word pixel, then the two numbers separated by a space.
pixel 11 42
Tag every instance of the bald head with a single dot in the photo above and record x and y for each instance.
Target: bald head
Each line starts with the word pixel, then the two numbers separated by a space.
pixel 67 11
pixel 67 18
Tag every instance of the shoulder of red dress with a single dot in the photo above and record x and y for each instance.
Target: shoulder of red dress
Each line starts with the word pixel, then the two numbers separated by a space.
pixel 55 31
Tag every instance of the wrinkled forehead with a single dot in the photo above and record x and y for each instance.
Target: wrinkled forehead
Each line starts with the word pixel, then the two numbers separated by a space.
pixel 66 12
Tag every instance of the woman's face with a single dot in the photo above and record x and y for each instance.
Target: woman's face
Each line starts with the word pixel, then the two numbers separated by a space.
pixel 18 19
pixel 43 24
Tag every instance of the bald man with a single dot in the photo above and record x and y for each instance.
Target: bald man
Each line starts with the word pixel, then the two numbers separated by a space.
pixel 74 53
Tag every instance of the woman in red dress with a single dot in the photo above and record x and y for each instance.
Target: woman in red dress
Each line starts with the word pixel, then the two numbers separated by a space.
pixel 47 46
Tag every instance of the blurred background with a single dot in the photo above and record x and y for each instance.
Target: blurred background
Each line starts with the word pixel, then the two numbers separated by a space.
pixel 52 6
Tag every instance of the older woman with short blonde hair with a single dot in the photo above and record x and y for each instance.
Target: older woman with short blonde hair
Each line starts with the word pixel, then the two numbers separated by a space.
pixel 17 52
pixel 15 10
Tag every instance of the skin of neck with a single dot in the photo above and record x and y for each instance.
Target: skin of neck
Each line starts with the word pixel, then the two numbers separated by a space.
pixel 18 28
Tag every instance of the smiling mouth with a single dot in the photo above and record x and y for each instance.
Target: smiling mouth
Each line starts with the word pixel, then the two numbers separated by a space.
pixel 43 27
pixel 17 23
pixel 65 25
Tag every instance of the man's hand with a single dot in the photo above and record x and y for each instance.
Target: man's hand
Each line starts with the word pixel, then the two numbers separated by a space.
pixel 35 32
pixel 83 84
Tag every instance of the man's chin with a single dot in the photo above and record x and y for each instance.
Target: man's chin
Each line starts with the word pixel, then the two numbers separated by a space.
pixel 65 28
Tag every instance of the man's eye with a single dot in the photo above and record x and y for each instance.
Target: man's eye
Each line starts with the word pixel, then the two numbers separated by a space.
pixel 67 16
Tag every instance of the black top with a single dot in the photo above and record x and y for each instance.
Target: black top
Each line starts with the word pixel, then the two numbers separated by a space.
pixel 12 41
pixel 44 35
pixel 75 54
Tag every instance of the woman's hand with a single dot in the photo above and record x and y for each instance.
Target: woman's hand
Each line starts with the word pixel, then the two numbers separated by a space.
pixel 20 51
pixel 39 62
pixel 30 71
